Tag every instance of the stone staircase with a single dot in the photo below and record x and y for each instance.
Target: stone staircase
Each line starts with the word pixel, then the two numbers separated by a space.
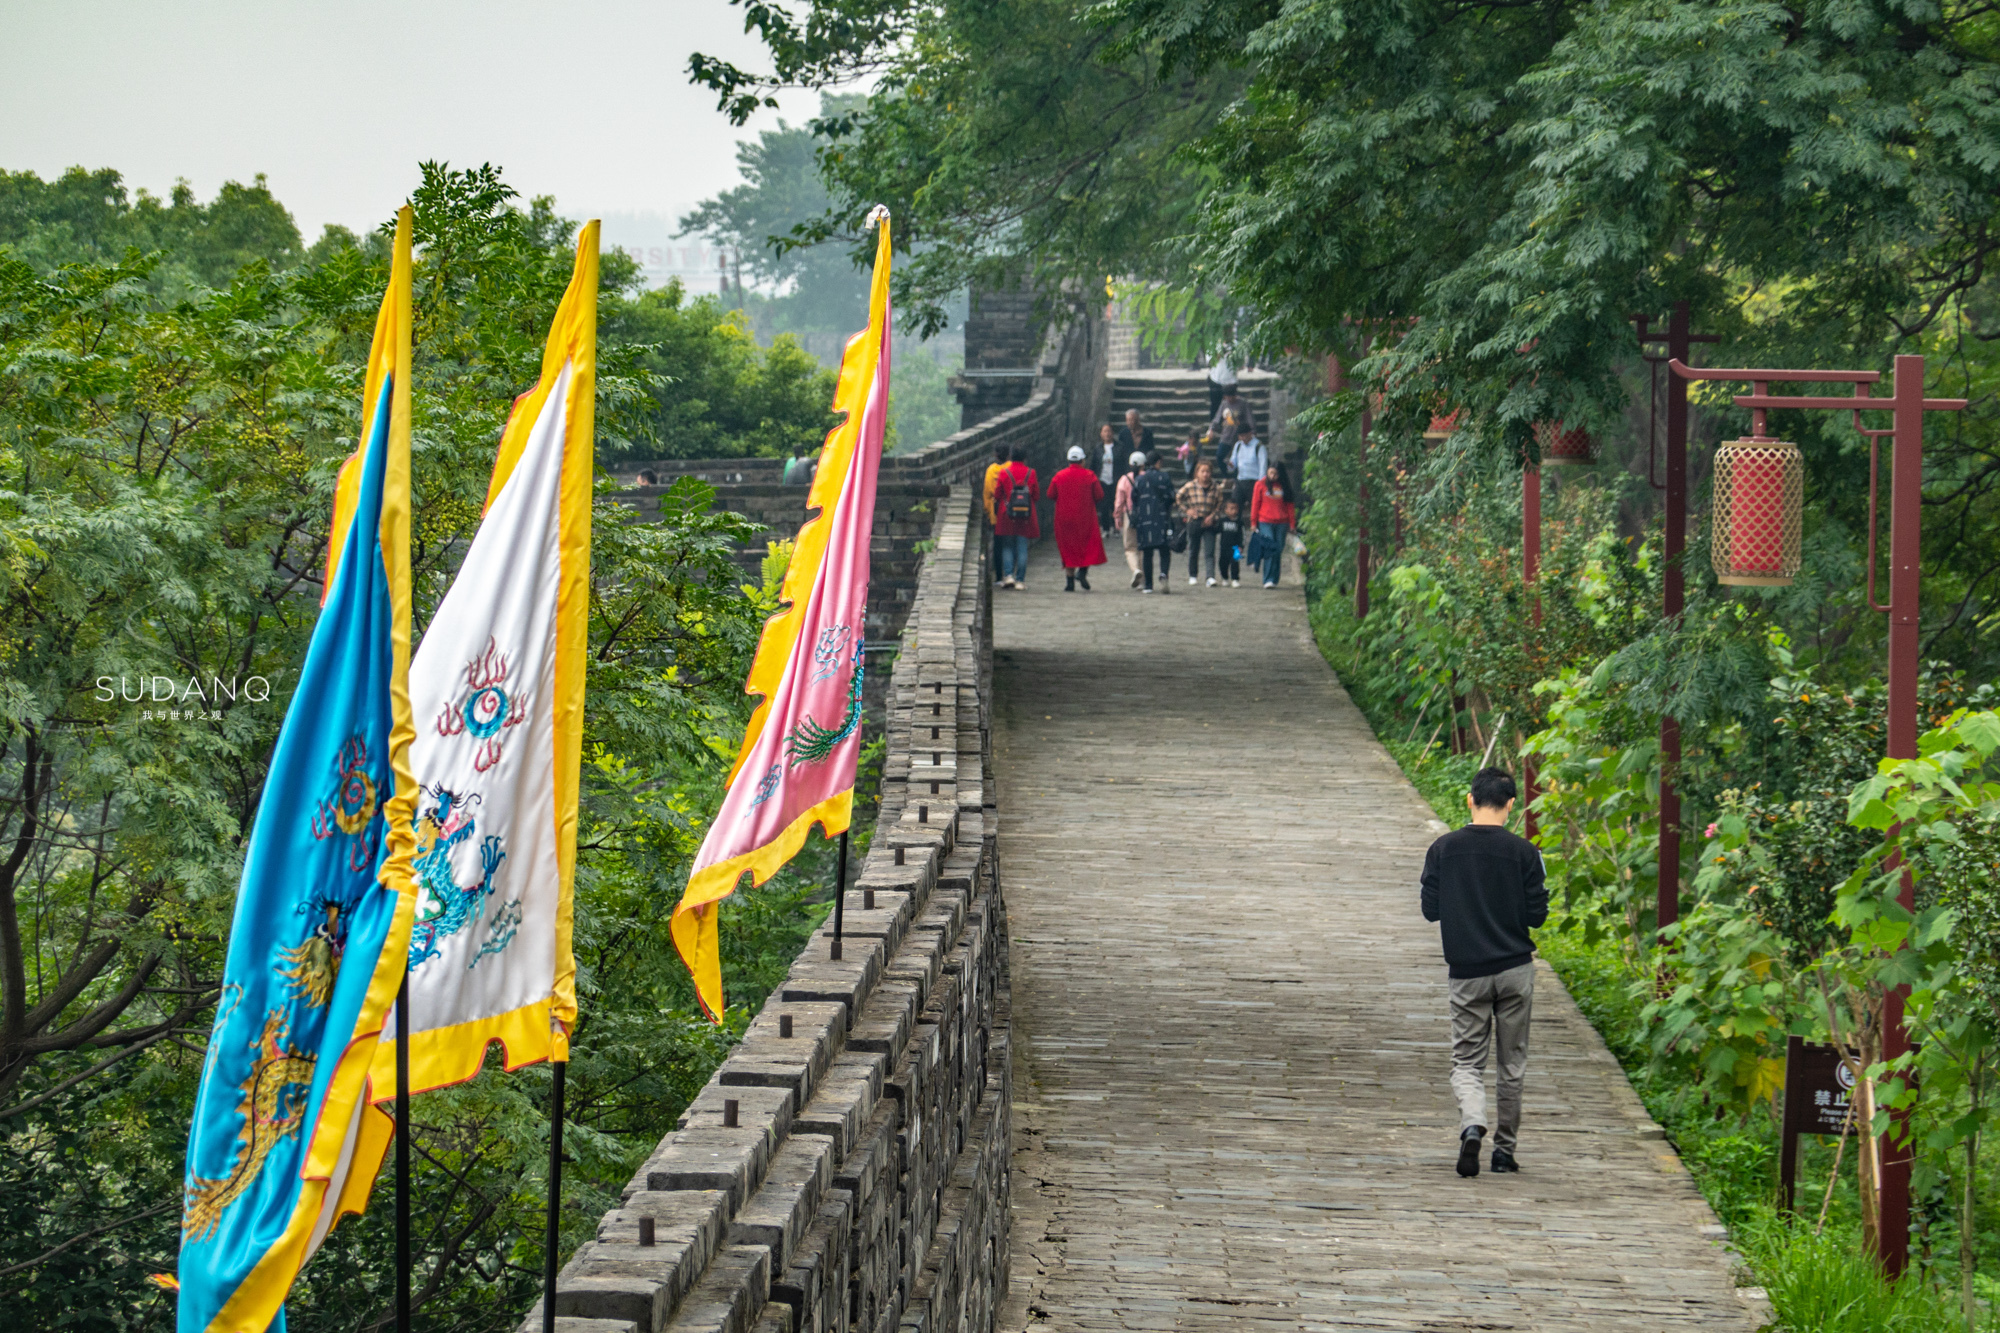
pixel 1173 402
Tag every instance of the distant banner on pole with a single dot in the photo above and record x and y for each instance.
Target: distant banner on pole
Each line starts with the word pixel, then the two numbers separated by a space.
pixel 323 913
pixel 797 762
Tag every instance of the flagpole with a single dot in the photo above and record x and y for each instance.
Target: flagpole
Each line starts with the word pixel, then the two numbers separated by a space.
pixel 403 1155
pixel 555 1198
pixel 839 892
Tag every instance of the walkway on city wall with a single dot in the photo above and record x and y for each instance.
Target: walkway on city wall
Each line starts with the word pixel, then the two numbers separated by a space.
pixel 1229 1016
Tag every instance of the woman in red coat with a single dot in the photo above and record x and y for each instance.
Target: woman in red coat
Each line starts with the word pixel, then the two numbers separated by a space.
pixel 1076 491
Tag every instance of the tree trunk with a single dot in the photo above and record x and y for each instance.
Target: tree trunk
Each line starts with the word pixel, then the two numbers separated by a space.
pixel 1857 1053
pixel 1968 1249
pixel 1868 1162
pixel 1868 1165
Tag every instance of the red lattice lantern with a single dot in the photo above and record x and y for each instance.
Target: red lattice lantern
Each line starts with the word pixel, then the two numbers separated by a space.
pixel 1760 489
pixel 1564 444
pixel 1442 427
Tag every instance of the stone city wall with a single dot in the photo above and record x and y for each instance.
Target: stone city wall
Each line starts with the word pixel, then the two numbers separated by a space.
pixel 1069 395
pixel 846 1170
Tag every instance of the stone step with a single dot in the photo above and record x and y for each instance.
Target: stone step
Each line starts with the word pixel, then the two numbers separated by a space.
pixel 1172 407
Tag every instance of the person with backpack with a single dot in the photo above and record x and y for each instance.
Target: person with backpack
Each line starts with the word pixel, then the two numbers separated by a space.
pixel 1016 518
pixel 1075 492
pixel 1121 515
pixel 1153 522
pixel 1247 459
pixel 987 485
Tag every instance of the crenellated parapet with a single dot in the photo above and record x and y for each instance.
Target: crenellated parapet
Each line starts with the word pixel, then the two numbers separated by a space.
pixel 846 1170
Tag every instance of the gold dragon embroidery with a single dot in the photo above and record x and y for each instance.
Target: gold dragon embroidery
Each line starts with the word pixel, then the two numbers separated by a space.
pixel 273 1108
pixel 314 965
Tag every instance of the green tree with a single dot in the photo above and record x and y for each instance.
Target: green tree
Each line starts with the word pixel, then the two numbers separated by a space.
pixel 714 392
pixel 87 215
pixel 813 287
pixel 1005 138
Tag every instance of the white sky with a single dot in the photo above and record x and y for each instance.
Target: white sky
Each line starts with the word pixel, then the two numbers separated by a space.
pixel 336 103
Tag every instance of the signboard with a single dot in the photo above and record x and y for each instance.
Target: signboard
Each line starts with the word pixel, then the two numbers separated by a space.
pixel 1819 1090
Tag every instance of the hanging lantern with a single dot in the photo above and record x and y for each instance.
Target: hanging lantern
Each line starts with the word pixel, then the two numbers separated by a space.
pixel 1564 444
pixel 1442 427
pixel 1760 488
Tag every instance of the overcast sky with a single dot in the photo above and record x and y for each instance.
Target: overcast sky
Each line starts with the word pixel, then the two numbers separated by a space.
pixel 337 103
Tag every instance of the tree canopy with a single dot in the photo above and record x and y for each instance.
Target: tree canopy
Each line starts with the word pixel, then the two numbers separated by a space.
pixel 1006 138
pixel 86 215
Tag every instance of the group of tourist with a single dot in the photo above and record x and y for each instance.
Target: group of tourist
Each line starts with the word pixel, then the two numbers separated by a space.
pixel 1232 507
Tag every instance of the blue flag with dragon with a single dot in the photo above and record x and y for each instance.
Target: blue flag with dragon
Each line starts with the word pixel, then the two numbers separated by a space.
pixel 316 937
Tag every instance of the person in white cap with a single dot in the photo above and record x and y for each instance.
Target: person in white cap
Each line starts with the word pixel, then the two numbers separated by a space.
pixel 1075 491
pixel 1121 515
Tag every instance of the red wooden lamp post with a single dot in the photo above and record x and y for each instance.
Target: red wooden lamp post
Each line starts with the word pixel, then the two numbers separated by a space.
pixel 1679 346
pixel 1531 568
pixel 1558 444
pixel 1751 549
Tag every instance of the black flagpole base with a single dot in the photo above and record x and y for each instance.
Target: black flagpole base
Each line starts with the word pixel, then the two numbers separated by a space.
pixel 403 1156
pixel 549 1239
pixel 839 892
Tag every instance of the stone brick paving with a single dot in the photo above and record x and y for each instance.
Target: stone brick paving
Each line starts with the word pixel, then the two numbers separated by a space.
pixel 1230 1030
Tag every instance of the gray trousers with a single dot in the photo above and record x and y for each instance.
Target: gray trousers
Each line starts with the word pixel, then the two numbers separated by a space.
pixel 1200 540
pixel 1499 1006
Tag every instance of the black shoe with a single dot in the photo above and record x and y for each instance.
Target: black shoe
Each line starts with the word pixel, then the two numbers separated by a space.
pixel 1083 579
pixel 1468 1150
pixel 1070 586
pixel 1503 1160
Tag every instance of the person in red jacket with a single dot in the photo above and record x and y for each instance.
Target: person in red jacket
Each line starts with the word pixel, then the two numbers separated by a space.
pixel 1016 518
pixel 1273 512
pixel 1076 491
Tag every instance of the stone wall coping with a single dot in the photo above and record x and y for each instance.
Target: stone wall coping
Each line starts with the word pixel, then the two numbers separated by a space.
pixel 745 1215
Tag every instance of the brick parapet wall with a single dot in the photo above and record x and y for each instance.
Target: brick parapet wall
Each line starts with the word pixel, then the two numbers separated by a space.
pixel 1068 397
pixel 865 1185
pixel 958 455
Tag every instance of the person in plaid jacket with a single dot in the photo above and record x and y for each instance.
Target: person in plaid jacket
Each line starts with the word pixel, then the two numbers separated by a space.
pixel 1200 502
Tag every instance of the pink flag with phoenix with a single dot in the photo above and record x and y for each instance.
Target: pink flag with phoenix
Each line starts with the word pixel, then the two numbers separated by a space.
pixel 796 767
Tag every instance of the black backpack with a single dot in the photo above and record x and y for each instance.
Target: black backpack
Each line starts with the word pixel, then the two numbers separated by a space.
pixel 1152 503
pixel 1020 504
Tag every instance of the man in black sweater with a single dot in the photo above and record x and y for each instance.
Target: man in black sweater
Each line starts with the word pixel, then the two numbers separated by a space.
pixel 1486 889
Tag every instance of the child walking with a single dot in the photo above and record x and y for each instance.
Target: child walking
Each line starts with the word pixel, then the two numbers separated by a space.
pixel 1229 545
